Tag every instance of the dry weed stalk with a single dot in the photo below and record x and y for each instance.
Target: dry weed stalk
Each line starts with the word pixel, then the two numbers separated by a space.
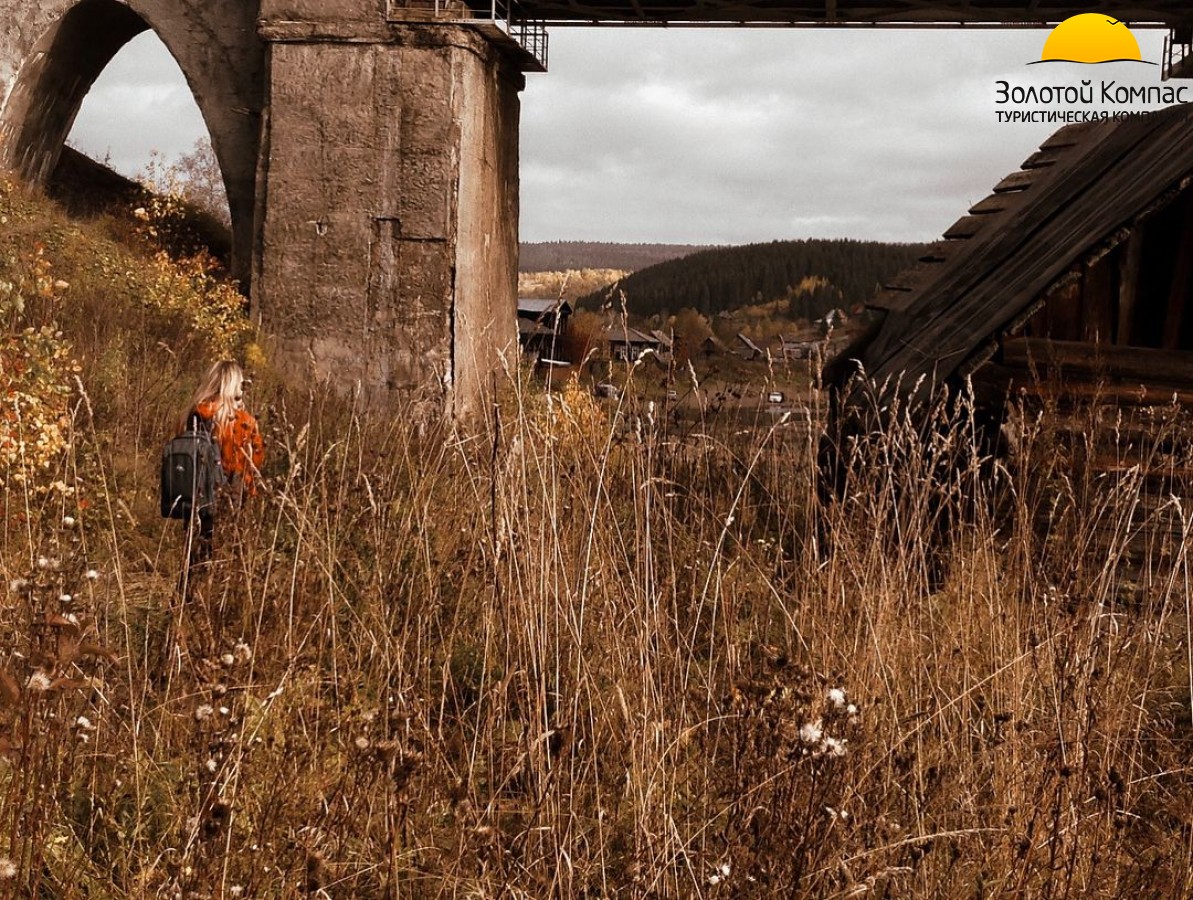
pixel 584 653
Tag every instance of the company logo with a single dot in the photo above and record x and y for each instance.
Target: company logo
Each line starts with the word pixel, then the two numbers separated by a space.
pixel 1091 38
pixel 1068 93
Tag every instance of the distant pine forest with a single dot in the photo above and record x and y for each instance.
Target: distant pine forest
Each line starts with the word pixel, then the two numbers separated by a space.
pixel 814 275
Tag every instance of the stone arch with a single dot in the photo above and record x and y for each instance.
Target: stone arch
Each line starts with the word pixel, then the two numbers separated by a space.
pixel 215 45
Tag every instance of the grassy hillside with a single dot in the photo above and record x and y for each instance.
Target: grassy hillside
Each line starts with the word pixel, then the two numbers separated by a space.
pixel 570 284
pixel 557 256
pixel 572 651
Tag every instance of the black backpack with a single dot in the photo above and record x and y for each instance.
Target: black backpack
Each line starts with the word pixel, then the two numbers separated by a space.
pixel 191 471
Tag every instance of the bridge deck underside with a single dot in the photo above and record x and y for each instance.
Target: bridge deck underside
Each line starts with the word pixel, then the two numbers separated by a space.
pixel 846 12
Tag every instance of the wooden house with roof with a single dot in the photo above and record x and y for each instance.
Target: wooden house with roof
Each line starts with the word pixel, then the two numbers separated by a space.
pixel 541 325
pixel 793 347
pixel 1075 276
pixel 750 350
pixel 1069 289
pixel 629 344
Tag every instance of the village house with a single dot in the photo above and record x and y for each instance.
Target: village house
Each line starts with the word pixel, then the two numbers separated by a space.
pixel 750 350
pixel 629 344
pixel 541 323
pixel 713 346
pixel 666 344
pixel 794 348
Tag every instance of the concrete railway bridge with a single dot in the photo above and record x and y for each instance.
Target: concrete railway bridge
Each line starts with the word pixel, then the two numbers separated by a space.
pixel 369 148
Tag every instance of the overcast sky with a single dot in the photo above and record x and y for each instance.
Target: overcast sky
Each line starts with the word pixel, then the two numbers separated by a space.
pixel 715 135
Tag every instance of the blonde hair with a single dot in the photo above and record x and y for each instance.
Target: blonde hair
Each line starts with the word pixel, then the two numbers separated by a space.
pixel 223 386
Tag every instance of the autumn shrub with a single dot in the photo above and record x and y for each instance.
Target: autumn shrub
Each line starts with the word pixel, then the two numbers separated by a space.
pixel 101 341
pixel 141 320
pixel 36 386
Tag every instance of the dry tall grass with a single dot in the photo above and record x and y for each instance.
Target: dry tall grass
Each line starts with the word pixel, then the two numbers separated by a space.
pixel 573 652
pixel 572 655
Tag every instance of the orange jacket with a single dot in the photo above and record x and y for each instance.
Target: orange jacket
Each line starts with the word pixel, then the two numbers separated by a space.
pixel 241 449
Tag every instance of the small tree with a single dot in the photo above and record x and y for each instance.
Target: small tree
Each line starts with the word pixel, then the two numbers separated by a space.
pixel 195 177
pixel 690 328
pixel 583 336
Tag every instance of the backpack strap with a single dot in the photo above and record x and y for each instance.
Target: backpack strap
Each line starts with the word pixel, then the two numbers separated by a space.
pixel 200 423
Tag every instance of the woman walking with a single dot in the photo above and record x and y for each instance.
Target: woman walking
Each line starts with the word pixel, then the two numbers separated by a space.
pixel 218 408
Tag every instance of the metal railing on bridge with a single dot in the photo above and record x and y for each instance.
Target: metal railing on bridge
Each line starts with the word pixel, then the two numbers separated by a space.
pixel 497 18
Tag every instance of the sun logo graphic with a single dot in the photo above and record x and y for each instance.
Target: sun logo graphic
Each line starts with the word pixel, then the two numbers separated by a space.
pixel 1091 38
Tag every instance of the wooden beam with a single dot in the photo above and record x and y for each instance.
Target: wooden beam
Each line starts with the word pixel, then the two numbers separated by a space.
pixel 995 203
pixel 1017 181
pixel 1092 361
pixel 964 228
pixel 1178 288
pixel 1097 301
pixel 1062 312
pixel 1041 159
pixel 1113 394
pixel 1128 285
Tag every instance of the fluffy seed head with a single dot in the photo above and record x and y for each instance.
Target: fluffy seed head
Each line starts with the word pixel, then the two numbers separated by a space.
pixel 39 681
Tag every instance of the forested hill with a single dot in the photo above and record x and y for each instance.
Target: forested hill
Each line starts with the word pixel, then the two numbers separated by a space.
pixel 726 278
pixel 559 256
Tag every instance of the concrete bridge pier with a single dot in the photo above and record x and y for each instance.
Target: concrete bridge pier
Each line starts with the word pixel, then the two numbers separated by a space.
pixel 387 204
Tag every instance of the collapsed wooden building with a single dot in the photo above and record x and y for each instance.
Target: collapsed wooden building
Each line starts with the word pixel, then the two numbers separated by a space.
pixel 1072 276
pixel 1067 291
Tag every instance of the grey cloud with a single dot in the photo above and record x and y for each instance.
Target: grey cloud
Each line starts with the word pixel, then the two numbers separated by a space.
pixel 709 136
pixel 140 103
pixel 771 134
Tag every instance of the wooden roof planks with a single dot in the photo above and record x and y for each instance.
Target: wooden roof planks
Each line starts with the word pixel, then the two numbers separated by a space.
pixel 1087 183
